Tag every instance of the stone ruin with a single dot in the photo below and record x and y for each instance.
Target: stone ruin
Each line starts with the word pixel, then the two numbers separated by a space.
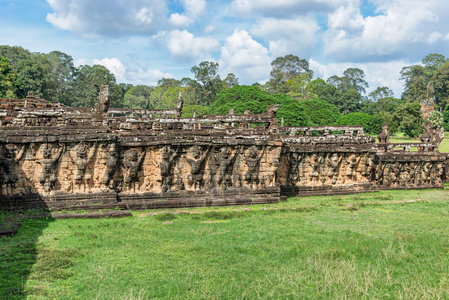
pixel 99 157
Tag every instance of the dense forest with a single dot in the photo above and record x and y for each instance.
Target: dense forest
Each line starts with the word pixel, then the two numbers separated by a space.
pixel 303 100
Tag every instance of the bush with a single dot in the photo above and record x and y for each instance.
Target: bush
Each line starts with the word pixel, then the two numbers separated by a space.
pixel 242 98
pixel 187 111
pixel 356 119
pixel 321 112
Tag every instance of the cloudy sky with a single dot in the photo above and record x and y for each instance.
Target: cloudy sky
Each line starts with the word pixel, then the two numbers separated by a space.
pixel 141 41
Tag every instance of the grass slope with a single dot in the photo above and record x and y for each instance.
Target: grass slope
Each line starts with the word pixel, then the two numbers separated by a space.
pixel 355 247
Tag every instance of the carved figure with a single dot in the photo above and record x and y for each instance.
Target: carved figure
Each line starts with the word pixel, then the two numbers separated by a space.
pixel 315 161
pixel 384 136
pixel 167 158
pixel 252 157
pixel 132 162
pixel 48 163
pixel 105 99
pixel 8 160
pixel 195 178
pixel 224 160
pixel 294 172
pixel 82 159
pixel 110 155
pixel 332 164
pixel 426 137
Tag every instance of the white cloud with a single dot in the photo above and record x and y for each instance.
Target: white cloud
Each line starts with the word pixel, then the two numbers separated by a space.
pixel 376 73
pixel 192 8
pixel 114 65
pixel 283 8
pixel 401 28
pixel 245 57
pixel 288 36
pixel 184 45
pixel 108 17
pixel 148 76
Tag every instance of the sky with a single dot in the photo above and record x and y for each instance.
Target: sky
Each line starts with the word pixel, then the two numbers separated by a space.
pixel 141 41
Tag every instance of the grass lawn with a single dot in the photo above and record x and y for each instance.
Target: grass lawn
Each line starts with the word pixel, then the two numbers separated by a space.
pixel 354 247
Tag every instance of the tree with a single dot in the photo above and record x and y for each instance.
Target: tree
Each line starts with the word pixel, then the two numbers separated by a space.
pixel 356 78
pixel 243 97
pixel 87 84
pixel 441 83
pixel 415 86
pixel 285 68
pixel 409 118
pixel 31 77
pixel 352 78
pixel 14 54
pixel 301 87
pixel 230 81
pixel 209 82
pixel 138 97
pixel 434 61
pixel 356 119
pixel 61 72
pixel 320 112
pixel 348 102
pixel 7 78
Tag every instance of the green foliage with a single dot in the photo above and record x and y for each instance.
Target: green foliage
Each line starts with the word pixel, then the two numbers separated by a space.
pixel 87 84
pixel 356 119
pixel 138 97
pixel 409 118
pixel 436 118
pixel 242 98
pixel 352 78
pixel 31 77
pixel 320 112
pixel 446 119
pixel 300 87
pixel 7 78
pixel 378 119
pixel 286 68
pixel 188 110
pixel 208 82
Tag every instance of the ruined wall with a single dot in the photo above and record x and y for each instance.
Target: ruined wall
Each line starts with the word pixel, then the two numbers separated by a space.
pixel 60 156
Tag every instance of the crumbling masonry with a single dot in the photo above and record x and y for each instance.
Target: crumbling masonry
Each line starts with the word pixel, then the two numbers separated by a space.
pixel 63 157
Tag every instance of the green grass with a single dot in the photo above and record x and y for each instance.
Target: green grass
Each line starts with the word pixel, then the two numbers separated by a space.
pixel 362 246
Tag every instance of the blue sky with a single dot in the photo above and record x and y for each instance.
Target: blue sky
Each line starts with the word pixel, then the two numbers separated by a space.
pixel 141 41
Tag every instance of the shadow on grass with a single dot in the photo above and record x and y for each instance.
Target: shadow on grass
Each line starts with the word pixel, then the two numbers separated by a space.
pixel 19 252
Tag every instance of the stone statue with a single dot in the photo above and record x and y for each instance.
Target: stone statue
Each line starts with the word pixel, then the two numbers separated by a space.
pixel 251 158
pixel 132 161
pixel 8 158
pixel 195 178
pixel 294 172
pixel 426 137
pixel 384 136
pixel 105 99
pixel 168 156
pixel 179 106
pixel 48 163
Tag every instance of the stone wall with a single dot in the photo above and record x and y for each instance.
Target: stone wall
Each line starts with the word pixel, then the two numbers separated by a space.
pixel 60 157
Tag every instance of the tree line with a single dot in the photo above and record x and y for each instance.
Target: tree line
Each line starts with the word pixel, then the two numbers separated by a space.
pixel 339 100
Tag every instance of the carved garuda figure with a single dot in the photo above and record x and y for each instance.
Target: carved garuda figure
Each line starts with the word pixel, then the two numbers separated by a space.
pixel 132 161
pixel 8 159
pixel 332 163
pixel 224 172
pixel 48 163
pixel 168 156
pixel 110 159
pixel 82 159
pixel 195 177
pixel 252 158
